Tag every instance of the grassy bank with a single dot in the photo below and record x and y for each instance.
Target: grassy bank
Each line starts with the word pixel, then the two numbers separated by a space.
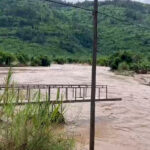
pixel 30 127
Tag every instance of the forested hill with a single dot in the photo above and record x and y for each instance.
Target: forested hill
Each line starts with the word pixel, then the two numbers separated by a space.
pixel 40 27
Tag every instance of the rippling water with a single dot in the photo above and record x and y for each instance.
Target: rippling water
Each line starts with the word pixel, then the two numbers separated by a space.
pixel 121 125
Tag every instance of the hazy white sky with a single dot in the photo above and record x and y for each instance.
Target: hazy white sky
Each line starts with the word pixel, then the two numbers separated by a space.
pixel 144 1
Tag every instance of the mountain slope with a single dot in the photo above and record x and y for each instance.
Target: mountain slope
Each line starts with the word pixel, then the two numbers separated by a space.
pixel 39 27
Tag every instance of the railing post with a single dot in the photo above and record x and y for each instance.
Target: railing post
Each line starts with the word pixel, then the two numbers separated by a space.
pixel 66 93
pixel 75 93
pixel 99 92
pixel 106 92
pixel 80 92
pixel 86 91
pixel 83 92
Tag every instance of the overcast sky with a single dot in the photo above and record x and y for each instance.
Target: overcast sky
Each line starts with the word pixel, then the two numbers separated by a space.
pixel 144 1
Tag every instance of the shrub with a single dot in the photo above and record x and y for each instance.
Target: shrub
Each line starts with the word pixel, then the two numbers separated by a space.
pixel 9 58
pixel 60 60
pixel 71 60
pixel 45 61
pixel 122 57
pixel 6 58
pixel 123 66
pixel 22 58
pixel 35 61
pixel 40 61
pixel 103 61
pixel 2 58
pixel 135 67
pixel 142 67
pixel 85 61
pixel 114 62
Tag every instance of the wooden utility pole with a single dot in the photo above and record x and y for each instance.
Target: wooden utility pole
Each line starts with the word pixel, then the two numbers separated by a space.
pixel 93 91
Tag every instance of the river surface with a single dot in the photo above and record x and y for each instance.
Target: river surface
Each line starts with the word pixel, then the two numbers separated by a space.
pixel 123 125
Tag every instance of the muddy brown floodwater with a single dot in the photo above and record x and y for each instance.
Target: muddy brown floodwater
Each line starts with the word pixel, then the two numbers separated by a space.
pixel 121 125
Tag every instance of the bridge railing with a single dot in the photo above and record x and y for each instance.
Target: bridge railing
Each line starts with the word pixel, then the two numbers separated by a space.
pixel 27 93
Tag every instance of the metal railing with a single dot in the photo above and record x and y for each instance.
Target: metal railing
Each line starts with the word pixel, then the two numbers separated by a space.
pixel 25 93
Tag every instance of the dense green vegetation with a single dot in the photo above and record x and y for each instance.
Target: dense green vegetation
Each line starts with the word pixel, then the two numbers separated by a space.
pixel 128 61
pixel 22 59
pixel 40 27
pixel 30 127
pixel 39 32
pixel 121 60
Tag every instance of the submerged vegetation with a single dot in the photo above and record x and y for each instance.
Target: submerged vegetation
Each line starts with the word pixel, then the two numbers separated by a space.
pixel 30 127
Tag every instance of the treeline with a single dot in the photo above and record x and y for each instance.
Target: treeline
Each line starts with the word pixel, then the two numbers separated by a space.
pixel 127 61
pixel 121 61
pixel 22 59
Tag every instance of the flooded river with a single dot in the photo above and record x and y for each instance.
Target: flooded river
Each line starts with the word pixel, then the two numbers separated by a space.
pixel 121 125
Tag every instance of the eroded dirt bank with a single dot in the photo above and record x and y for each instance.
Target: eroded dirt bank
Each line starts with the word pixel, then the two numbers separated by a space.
pixel 121 125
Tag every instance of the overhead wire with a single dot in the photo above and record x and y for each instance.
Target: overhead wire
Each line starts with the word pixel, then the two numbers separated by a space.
pixel 126 22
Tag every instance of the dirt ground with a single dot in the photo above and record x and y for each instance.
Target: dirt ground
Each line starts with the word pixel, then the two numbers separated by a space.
pixel 121 125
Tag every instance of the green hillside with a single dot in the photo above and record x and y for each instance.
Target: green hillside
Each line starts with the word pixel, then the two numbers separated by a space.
pixel 38 27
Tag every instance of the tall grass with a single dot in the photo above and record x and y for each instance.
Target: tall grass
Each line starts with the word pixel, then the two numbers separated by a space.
pixel 30 127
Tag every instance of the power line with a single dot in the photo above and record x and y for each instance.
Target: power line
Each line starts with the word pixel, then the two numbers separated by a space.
pixel 126 22
pixel 69 5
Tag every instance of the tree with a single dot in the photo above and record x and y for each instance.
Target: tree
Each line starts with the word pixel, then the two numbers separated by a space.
pixel 9 59
pixel 22 58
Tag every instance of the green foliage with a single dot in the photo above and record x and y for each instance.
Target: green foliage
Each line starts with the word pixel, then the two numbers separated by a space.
pixel 119 57
pixel 9 59
pixel 6 59
pixel 2 58
pixel 129 61
pixel 43 28
pixel 103 61
pixel 142 67
pixel 123 66
pixel 22 58
pixel 30 34
pixel 60 60
pixel 40 61
pixel 30 127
